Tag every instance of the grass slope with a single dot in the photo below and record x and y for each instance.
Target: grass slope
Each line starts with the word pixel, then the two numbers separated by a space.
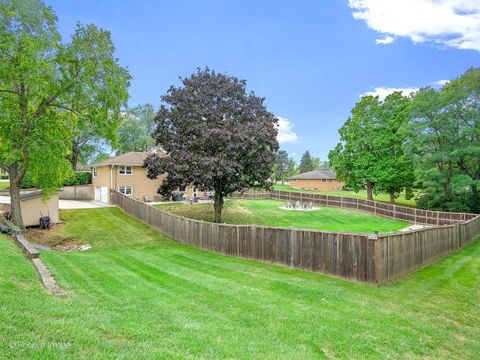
pixel 269 213
pixel 139 295
pixel 362 194
pixel 4 184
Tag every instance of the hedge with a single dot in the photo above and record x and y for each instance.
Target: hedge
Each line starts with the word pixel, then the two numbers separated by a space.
pixel 78 178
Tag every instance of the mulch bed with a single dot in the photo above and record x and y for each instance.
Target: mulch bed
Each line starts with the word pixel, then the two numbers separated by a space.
pixel 53 239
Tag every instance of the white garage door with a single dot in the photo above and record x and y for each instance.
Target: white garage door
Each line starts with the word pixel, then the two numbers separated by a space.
pixel 101 194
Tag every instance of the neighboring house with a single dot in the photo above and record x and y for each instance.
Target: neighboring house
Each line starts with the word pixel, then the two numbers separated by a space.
pixel 3 174
pixel 323 180
pixel 126 174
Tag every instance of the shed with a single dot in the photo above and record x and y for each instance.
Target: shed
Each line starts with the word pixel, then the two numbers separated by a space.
pixel 34 205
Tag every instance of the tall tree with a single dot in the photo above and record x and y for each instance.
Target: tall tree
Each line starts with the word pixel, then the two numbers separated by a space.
pixel 292 167
pixel 393 170
pixel 316 163
pixel 281 168
pixel 216 136
pixel 306 163
pixel 45 88
pixel 135 130
pixel 445 144
pixel 355 155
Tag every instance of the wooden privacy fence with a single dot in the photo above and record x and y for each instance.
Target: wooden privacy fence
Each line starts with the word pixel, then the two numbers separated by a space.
pixel 361 257
pixel 413 215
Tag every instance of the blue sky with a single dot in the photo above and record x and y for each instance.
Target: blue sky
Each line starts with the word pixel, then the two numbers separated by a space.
pixel 311 60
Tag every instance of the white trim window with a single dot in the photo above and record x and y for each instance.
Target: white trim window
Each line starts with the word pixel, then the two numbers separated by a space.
pixel 94 172
pixel 125 190
pixel 125 170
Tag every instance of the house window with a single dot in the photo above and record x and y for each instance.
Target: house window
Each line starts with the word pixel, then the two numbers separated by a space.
pixel 182 188
pixel 125 170
pixel 94 172
pixel 126 190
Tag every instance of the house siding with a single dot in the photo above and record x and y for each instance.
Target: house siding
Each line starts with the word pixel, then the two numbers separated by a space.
pixel 311 184
pixel 108 176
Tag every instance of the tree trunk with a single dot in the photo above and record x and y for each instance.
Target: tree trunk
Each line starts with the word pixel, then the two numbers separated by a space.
pixel 218 206
pixel 369 190
pixel 15 197
pixel 392 197
pixel 74 156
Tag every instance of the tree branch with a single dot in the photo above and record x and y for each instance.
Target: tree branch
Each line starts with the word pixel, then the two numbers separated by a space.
pixel 61 106
pixel 9 91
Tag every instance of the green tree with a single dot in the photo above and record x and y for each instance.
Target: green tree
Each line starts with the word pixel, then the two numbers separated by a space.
pixel 48 87
pixel 292 168
pixel 217 136
pixel 355 155
pixel 306 163
pixel 316 163
pixel 444 141
pixel 393 170
pixel 135 130
pixel 281 166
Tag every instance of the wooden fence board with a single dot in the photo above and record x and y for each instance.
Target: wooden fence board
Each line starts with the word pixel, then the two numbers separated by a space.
pixel 352 256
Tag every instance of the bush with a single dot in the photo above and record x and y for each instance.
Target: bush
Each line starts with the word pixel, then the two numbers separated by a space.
pixel 78 178
pixel 463 202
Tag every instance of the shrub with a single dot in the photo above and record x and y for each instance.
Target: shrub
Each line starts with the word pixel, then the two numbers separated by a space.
pixel 78 178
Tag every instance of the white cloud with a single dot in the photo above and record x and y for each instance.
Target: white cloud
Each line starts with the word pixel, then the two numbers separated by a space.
pixel 386 40
pixel 285 131
pixel 441 82
pixel 383 92
pixel 450 23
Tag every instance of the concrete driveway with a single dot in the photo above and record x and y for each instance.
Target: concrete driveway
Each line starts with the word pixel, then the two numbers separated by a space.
pixel 81 204
pixel 68 204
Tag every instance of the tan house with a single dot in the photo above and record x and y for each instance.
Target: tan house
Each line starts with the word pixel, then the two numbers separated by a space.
pixel 126 174
pixel 34 206
pixel 323 180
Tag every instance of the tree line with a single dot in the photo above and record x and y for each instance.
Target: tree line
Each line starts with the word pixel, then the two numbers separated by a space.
pixel 427 143
pixel 62 102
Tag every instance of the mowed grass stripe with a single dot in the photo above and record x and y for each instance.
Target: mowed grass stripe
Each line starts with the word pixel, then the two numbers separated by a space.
pixel 168 300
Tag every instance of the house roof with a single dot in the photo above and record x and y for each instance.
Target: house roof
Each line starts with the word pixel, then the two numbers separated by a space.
pixel 316 175
pixel 82 167
pixel 134 158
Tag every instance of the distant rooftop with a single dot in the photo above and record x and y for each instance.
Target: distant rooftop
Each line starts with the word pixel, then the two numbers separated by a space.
pixel 323 174
pixel 134 158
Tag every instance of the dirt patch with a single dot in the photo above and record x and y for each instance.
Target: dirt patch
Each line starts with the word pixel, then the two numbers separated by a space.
pixel 4 208
pixel 54 239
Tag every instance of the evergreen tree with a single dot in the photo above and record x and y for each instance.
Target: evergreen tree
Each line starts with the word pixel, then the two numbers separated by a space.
pixel 306 163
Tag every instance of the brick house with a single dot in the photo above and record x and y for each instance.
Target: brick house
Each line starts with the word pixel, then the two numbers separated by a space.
pixel 323 180
pixel 126 174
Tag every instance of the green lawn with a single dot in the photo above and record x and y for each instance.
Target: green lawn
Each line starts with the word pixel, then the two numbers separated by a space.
pixel 139 295
pixel 4 185
pixel 269 213
pixel 362 194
